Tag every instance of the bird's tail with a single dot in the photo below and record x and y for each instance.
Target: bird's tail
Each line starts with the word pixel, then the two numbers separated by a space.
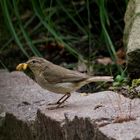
pixel 100 79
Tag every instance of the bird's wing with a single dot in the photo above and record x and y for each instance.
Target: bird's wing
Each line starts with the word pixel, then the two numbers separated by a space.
pixel 59 74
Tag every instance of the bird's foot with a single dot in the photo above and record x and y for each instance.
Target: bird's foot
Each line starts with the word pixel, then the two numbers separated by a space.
pixel 55 103
pixel 55 107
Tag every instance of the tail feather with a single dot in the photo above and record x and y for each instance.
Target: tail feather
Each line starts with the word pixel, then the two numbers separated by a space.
pixel 100 79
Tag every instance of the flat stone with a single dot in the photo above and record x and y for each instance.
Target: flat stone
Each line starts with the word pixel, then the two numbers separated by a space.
pixel 24 114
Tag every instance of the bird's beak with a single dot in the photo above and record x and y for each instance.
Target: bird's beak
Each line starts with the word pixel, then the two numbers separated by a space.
pixel 22 66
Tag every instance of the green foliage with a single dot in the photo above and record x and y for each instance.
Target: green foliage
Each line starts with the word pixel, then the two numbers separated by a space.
pixel 135 83
pixel 82 27
pixel 120 80
pixel 132 90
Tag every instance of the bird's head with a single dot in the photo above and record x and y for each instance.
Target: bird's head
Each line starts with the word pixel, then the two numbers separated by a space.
pixel 36 64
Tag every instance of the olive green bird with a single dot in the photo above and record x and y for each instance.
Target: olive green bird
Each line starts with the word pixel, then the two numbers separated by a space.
pixel 59 79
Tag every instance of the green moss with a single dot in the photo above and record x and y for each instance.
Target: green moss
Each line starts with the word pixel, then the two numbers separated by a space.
pixel 135 83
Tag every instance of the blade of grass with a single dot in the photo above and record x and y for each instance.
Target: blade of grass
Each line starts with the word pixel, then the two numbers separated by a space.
pixel 3 65
pixel 8 19
pixel 89 24
pixel 57 36
pixel 71 17
pixel 18 33
pixel 104 19
pixel 25 34
pixel 77 13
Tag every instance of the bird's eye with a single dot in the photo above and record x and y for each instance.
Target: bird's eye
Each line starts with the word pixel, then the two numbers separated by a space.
pixel 33 62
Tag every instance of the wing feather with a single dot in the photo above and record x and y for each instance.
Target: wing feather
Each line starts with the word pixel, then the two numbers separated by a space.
pixel 56 74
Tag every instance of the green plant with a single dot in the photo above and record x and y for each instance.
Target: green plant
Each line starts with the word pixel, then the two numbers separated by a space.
pixel 74 24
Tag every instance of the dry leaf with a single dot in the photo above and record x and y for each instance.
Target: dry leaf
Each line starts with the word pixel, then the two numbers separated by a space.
pixel 104 60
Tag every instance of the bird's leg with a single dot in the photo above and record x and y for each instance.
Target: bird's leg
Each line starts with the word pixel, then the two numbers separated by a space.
pixel 59 101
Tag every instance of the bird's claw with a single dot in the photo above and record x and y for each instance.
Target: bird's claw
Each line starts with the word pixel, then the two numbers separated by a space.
pixel 56 103
pixel 55 107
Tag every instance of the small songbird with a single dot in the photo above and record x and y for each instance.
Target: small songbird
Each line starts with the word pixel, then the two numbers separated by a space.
pixel 59 79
